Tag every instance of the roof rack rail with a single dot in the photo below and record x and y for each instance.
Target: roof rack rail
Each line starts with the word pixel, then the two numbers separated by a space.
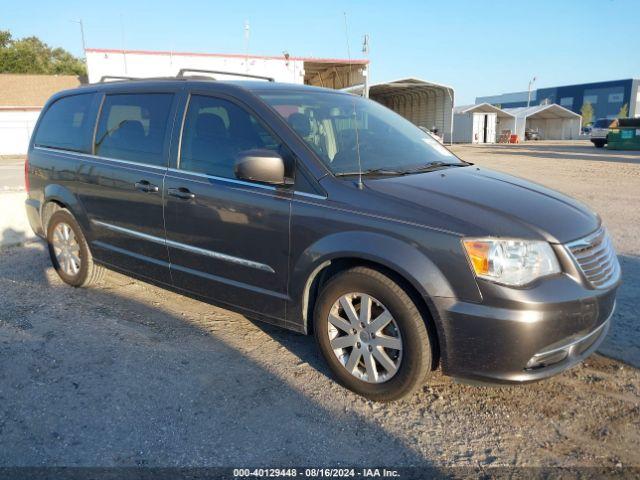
pixel 104 78
pixel 182 71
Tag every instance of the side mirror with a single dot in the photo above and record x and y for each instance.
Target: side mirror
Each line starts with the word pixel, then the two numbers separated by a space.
pixel 261 165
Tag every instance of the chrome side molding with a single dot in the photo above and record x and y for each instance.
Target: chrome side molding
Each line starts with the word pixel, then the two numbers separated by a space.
pixel 187 248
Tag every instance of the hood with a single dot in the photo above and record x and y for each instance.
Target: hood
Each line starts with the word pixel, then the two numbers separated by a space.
pixel 475 201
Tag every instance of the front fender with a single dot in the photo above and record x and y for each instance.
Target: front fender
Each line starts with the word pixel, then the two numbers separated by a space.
pixel 395 254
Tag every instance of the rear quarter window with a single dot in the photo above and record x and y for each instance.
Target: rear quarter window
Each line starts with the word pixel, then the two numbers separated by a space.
pixel 67 124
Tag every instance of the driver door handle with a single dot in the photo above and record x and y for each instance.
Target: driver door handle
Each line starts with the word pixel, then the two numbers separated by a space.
pixel 182 193
pixel 146 186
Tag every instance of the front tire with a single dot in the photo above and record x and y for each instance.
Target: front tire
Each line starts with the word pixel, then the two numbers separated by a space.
pixel 69 251
pixel 372 335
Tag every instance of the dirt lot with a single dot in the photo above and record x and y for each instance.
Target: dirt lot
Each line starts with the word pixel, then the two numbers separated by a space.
pixel 127 374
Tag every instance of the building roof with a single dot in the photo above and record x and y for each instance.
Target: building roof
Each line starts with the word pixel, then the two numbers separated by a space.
pixel 552 110
pixel 24 91
pixel 345 61
pixel 482 108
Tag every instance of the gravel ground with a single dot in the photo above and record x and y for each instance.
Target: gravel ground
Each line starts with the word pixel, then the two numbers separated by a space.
pixel 127 374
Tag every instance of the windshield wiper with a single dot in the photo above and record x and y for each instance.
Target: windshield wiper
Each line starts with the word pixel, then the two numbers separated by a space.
pixel 434 165
pixel 371 171
pixel 385 171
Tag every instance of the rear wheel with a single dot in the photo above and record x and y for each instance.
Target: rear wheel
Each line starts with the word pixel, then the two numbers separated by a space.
pixel 599 143
pixel 372 335
pixel 69 251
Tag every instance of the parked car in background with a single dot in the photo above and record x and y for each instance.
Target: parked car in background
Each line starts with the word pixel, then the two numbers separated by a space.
pixel 599 131
pixel 531 134
pixel 327 214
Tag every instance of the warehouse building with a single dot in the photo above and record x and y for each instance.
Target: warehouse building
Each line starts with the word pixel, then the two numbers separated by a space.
pixel 21 99
pixel 609 99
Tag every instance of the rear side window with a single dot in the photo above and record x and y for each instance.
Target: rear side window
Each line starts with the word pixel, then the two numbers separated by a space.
pixel 133 127
pixel 216 131
pixel 67 124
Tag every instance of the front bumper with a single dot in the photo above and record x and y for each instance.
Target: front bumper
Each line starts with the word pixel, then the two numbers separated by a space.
pixel 526 339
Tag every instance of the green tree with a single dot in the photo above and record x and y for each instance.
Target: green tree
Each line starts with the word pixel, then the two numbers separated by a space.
pixel 5 38
pixel 32 55
pixel 624 111
pixel 587 113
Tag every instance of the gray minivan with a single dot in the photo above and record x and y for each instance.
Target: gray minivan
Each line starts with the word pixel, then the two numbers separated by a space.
pixel 324 213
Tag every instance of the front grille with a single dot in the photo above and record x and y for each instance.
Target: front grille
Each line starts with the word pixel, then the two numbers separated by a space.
pixel 596 258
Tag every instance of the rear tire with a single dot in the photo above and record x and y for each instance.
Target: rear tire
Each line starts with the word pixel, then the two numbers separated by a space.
pixel 404 341
pixel 599 144
pixel 69 251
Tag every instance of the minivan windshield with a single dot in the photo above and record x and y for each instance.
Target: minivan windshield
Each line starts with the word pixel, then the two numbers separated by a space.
pixel 352 134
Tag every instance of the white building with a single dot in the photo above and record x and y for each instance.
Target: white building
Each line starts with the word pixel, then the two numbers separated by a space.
pixel 21 99
pixel 325 72
pixel 552 121
pixel 479 123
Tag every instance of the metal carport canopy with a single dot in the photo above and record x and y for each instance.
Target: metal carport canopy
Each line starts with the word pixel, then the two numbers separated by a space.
pixel 423 103
pixel 550 111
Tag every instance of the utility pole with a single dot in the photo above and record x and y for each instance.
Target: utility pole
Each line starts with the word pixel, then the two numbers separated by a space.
pixel 531 82
pixel 365 51
pixel 247 34
pixel 84 45
pixel 124 50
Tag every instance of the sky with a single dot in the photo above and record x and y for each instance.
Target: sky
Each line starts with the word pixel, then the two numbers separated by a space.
pixel 477 47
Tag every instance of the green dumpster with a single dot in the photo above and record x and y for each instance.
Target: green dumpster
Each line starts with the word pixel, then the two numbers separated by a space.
pixel 625 135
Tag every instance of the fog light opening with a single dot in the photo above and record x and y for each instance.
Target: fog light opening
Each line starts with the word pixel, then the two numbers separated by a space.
pixel 543 360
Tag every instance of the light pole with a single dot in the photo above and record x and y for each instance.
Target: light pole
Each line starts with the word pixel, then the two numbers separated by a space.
pixel 84 46
pixel 531 82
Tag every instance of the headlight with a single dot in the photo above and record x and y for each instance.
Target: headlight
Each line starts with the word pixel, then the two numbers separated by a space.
pixel 510 262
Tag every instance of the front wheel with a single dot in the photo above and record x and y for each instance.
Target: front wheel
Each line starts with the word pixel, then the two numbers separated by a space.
pixel 69 251
pixel 372 335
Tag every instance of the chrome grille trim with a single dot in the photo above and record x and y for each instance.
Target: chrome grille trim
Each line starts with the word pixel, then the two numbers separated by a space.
pixel 596 258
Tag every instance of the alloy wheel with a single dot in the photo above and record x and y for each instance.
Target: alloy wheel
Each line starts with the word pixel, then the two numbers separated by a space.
pixel 365 338
pixel 66 249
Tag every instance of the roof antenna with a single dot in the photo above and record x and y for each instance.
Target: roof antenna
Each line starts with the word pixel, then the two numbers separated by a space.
pixel 355 115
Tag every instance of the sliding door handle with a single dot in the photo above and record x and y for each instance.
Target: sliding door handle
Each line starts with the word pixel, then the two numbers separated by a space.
pixel 182 193
pixel 145 186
